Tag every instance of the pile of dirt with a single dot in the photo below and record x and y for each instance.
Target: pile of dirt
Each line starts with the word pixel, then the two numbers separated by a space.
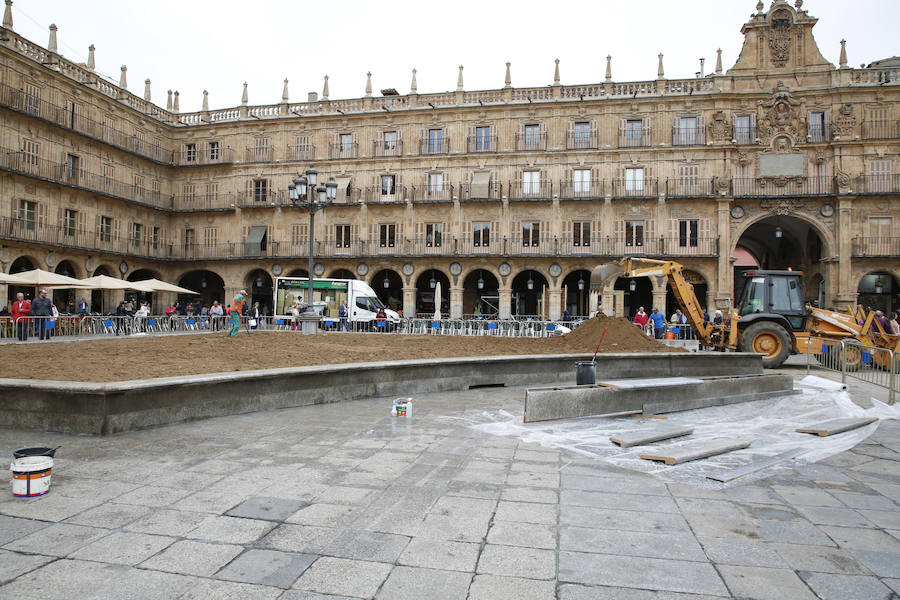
pixel 166 356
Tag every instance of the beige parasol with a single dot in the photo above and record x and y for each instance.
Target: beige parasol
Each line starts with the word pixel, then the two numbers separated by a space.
pixel 41 278
pixel 155 285
pixel 6 278
pixel 105 282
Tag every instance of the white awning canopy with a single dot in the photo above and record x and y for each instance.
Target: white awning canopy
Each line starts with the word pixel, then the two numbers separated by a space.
pixel 481 184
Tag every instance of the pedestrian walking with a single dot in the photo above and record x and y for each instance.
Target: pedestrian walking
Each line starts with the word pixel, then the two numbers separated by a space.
pixel 659 323
pixel 234 311
pixel 42 308
pixel 216 315
pixel 19 309
pixel 342 313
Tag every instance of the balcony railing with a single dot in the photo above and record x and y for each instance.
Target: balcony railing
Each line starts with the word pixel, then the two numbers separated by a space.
pixel 531 141
pixel 259 154
pixel 689 187
pixel 434 245
pixel 18 162
pixel 636 245
pixel 744 187
pixel 481 143
pixel 200 202
pixel 634 139
pixel 569 245
pixel 351 195
pixel 433 193
pixel 484 245
pixel 204 156
pixel 56 235
pixel 301 152
pixel 626 188
pixel 688 136
pixel 530 245
pixel 259 198
pixel 577 140
pixel 470 191
pixel 382 148
pixel 344 150
pixel 864 247
pixel 816 134
pixel 689 246
pixel 529 190
pixel 64 117
pixel 379 195
pixel 877 184
pixel 434 146
pixel 881 130
pixel 745 136
pixel 582 190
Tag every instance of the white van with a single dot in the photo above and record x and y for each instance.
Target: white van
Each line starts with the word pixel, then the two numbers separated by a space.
pixel 362 302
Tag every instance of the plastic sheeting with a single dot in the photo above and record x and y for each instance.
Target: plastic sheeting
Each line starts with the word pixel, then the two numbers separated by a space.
pixel 770 423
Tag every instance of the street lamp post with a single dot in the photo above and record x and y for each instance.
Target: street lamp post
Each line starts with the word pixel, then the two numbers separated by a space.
pixel 304 193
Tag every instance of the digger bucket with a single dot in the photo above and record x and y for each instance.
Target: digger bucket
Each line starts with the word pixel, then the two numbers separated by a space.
pixel 601 275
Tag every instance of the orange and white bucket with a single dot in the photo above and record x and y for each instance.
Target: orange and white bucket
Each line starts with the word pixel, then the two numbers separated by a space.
pixel 31 476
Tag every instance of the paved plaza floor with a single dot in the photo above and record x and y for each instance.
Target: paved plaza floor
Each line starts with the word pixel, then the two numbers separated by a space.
pixel 344 501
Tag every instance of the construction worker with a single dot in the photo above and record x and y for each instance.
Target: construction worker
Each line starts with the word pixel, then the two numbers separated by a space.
pixel 234 311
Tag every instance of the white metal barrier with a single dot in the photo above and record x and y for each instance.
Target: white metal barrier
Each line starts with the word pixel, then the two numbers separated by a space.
pixel 850 358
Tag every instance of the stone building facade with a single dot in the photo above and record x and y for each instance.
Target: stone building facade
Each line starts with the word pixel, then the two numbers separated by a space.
pixel 508 197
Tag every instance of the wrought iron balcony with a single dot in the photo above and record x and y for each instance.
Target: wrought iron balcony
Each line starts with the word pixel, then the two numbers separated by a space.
pixel 301 152
pixel 437 244
pixel 688 136
pixel 745 136
pixel 208 155
pixel 591 245
pixel 72 119
pixel 433 193
pixel 817 134
pixel 689 187
pixel 755 187
pixel 378 195
pixel 531 141
pixel 201 202
pixel 530 245
pixel 527 190
pixel 864 247
pixel 620 246
pixel 344 150
pixel 582 190
pixel 634 139
pixel 16 161
pixel 259 154
pixel 689 246
pixel 627 188
pixel 387 148
pixel 481 143
pixel 881 130
pixel 578 140
pixel 489 191
pixel 434 145
pixel 877 184
pixel 259 198
pixel 56 235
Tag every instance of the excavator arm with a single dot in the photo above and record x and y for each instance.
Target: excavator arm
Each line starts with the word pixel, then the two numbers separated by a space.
pixel 648 267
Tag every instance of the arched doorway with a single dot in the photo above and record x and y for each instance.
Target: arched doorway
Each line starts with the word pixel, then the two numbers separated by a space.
pixel 528 298
pixel 425 287
pixel 781 243
pixel 20 265
pixel 388 286
pixel 342 274
pixel 99 297
pixel 480 288
pixel 64 299
pixel 634 293
pixel 208 284
pixel 700 288
pixel 260 287
pixel 879 291
pixel 138 297
pixel 576 287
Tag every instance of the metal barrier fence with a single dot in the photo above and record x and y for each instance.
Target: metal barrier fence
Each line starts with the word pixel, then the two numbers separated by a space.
pixel 877 366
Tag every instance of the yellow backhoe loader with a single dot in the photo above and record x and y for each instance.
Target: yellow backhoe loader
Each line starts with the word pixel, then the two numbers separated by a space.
pixel 770 317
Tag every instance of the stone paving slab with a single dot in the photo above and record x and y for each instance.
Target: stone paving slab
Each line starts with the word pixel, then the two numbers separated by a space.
pixel 360 505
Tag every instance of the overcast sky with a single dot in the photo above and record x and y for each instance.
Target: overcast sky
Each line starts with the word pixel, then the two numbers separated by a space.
pixel 196 44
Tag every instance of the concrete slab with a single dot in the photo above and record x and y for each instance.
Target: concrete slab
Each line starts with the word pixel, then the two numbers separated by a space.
pixel 759 465
pixel 835 426
pixel 684 454
pixel 632 384
pixel 645 437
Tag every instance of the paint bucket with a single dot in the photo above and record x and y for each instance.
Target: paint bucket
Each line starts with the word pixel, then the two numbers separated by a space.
pixel 670 335
pixel 37 451
pixel 585 373
pixel 31 476
pixel 402 407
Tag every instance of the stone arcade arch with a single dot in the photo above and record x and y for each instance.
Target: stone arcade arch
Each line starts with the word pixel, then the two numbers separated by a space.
pixel 636 292
pixel 576 287
pixel 388 286
pixel 528 294
pixel 209 284
pixel 783 242
pixel 260 288
pixel 481 289
pixel 20 265
pixel 63 298
pixel 425 285
pixel 879 290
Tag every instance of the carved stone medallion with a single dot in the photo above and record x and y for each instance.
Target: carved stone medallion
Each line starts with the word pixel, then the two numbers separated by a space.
pixel 719 128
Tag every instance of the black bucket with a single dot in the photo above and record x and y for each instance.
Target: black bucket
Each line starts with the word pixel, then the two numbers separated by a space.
pixel 585 373
pixel 35 452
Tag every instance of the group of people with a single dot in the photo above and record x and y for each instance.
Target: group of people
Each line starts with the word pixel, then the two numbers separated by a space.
pixel 677 323
pixel 41 309
pixel 891 325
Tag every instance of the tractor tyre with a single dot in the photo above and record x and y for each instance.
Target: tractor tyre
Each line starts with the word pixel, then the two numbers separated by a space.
pixel 769 339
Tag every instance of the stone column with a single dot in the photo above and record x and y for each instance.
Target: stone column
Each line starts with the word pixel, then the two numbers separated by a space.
pixel 505 300
pixel 409 302
pixel 724 284
pixel 846 291
pixel 456 302
pixel 555 298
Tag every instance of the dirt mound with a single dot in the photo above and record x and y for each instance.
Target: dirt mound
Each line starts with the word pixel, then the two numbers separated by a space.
pixel 621 336
pixel 151 357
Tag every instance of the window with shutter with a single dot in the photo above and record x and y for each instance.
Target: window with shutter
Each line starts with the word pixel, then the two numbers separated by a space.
pixel 880 176
pixel 32 98
pixel 481 231
pixel 634 234
pixel 342 236
pixel 581 233
pixel 581 182
pixel 209 237
pixel 815 126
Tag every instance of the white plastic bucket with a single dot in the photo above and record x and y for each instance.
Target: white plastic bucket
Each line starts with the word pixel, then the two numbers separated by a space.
pixel 31 476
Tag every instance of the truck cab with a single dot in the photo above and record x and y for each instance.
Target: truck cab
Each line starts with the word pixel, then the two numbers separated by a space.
pixel 772 294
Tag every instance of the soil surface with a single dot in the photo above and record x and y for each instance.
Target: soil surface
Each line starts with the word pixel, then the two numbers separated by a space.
pixel 166 356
